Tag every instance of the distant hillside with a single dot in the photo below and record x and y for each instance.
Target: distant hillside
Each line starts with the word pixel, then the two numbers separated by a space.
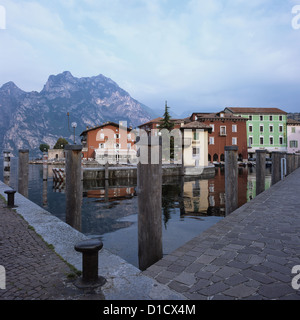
pixel 28 119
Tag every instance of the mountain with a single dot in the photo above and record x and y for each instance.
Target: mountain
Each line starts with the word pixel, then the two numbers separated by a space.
pixel 28 119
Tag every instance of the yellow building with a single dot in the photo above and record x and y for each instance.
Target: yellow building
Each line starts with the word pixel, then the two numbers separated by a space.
pixel 195 149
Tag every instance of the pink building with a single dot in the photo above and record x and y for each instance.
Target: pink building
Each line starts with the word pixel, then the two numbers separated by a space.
pixel 293 135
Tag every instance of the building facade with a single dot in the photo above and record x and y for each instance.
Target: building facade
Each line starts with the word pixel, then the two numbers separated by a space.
pixel 227 130
pixel 109 142
pixel 293 136
pixel 195 148
pixel 266 128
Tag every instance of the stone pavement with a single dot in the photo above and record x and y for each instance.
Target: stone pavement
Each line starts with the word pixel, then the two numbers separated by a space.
pixel 37 249
pixel 33 270
pixel 249 254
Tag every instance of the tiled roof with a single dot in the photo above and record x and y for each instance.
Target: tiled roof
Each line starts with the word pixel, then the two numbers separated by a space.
pixel 293 122
pixel 216 116
pixel 103 125
pixel 196 125
pixel 256 110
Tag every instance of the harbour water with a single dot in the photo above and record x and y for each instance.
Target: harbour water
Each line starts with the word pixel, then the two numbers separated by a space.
pixel 110 212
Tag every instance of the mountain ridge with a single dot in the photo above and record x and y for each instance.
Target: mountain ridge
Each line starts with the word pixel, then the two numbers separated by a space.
pixel 28 119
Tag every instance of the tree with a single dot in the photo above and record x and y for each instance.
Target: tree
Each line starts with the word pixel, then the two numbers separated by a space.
pixel 166 123
pixel 60 143
pixel 44 147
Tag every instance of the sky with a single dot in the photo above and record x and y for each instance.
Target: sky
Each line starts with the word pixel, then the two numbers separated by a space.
pixel 198 55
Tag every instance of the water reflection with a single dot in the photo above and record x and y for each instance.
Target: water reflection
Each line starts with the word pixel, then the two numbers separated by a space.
pixel 109 208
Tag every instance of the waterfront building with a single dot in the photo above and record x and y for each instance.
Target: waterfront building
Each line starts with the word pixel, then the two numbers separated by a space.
pixel 152 127
pixel 195 149
pixel 227 130
pixel 110 142
pixel 266 128
pixel 293 136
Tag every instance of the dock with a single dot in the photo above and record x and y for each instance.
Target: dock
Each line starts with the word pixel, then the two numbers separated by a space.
pixel 253 253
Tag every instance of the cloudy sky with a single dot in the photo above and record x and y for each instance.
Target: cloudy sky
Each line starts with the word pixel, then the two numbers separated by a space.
pixel 198 55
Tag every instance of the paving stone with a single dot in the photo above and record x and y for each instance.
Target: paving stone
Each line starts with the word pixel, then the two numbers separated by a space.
pixel 240 291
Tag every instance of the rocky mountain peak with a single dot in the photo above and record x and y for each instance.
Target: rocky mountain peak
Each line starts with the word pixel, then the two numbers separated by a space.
pixel 28 119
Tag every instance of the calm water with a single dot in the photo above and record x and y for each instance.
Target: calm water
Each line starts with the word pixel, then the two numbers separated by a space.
pixel 189 206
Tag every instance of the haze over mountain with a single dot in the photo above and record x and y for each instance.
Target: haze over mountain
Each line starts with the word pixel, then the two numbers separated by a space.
pixel 28 119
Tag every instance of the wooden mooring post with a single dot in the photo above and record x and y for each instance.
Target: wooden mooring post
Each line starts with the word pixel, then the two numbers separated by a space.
pixel 6 167
pixel 278 166
pixel 231 179
pixel 149 183
pixel 260 171
pixel 23 172
pixel 73 188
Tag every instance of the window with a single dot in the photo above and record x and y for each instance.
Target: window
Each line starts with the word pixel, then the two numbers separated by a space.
pixel 117 135
pixel 250 128
pixel 280 128
pixel 196 135
pixel 280 140
pixel 250 141
pixel 213 127
pixel 261 118
pixel 196 152
pixel 293 144
pixel 271 128
pixel 271 141
pixel 102 145
pixel 211 140
pixel 280 118
pixel 261 140
pixel 234 141
pixel 271 118
pixel 250 118
pixel 261 128
pixel 223 131
pixel 234 128
pixel 117 146
pixel 293 130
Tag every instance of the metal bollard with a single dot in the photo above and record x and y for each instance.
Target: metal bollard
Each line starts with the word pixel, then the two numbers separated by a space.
pixel 89 250
pixel 10 198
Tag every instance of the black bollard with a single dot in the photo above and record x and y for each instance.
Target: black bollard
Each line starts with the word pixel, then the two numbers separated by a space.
pixel 10 198
pixel 89 250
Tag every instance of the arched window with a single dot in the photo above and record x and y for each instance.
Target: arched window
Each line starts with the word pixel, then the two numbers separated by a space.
pixel 222 157
pixel 209 157
pixel 216 157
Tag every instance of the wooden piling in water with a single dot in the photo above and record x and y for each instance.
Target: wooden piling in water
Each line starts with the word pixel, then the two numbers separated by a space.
pixel 260 171
pixel 73 189
pixel 231 179
pixel 276 166
pixel 149 183
pixel 23 171
pixel 6 167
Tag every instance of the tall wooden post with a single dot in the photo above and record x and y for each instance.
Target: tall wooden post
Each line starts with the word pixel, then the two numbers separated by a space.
pixel 276 166
pixel 149 182
pixel 45 166
pixel 73 187
pixel 23 171
pixel 231 179
pixel 289 163
pixel 6 167
pixel 260 171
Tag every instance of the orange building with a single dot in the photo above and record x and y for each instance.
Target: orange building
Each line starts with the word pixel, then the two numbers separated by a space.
pixel 111 141
pixel 227 130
